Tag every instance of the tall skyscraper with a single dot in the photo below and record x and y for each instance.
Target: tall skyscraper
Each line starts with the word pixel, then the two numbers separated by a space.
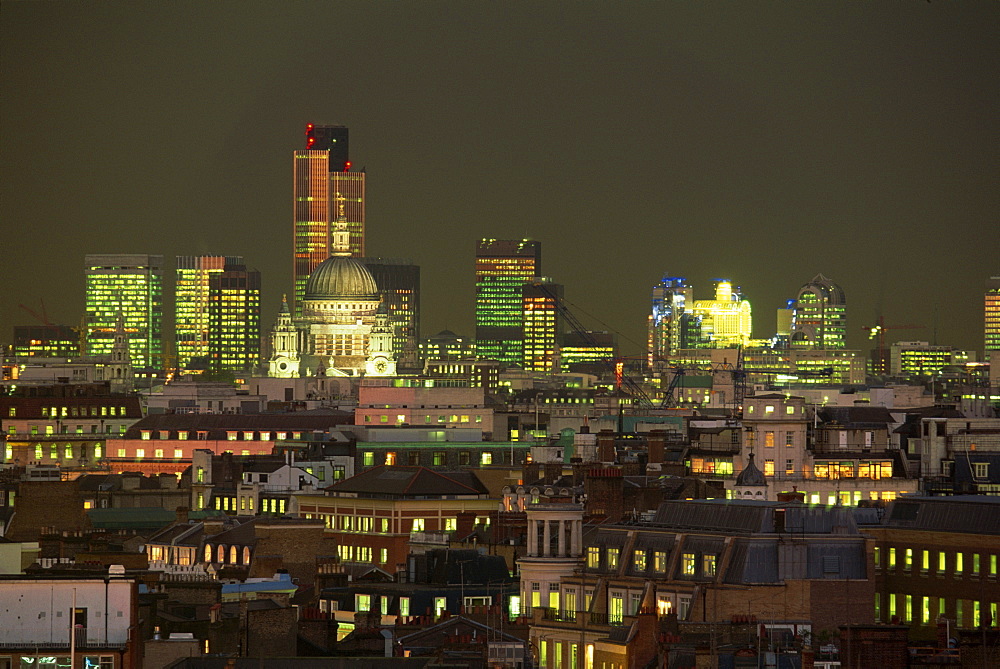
pixel 399 284
pixel 191 320
pixel 991 316
pixel 217 312
pixel 234 319
pixel 502 267
pixel 130 285
pixel 672 297
pixel 542 327
pixel 325 190
pixel 820 317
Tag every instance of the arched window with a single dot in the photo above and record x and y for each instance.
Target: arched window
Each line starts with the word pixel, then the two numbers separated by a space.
pixel 222 553
pixel 233 557
pixel 208 552
pixel 246 555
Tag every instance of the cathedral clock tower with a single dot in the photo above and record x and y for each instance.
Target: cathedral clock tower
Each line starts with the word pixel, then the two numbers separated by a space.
pixel 381 358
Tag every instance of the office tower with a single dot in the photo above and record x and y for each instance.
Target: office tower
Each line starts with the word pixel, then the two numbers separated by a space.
pixel 672 296
pixel 130 285
pixel 919 358
pixel 726 321
pixel 217 314
pixel 502 267
pixel 46 341
pixel 991 316
pixel 542 327
pixel 595 349
pixel 191 318
pixel 325 190
pixel 820 319
pixel 399 284
pixel 234 319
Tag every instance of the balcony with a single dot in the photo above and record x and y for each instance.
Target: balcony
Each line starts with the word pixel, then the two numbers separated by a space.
pixel 53 636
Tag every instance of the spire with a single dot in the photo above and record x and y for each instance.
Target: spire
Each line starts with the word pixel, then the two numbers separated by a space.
pixel 284 304
pixel 341 237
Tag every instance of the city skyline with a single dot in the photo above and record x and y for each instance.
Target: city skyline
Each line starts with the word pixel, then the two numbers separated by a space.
pixel 763 146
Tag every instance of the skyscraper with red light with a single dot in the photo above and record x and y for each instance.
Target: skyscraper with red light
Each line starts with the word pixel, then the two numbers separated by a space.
pixel 325 189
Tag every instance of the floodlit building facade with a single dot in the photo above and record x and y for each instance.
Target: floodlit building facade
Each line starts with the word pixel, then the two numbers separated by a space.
pixel 727 320
pixel 325 189
pixel 503 266
pixel 130 285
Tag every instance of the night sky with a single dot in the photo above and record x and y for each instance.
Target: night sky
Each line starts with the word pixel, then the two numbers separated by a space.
pixel 761 142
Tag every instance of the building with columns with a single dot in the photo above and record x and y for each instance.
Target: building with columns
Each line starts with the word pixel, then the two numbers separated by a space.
pixel 554 551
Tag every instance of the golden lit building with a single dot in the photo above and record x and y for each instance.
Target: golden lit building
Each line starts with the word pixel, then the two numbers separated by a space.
pixel 726 320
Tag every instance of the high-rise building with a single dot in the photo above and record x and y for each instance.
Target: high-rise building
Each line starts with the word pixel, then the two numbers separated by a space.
pixel 726 321
pixel 672 297
pixel 191 297
pixel 820 318
pixel 130 285
pixel 542 325
pixel 502 267
pixel 217 314
pixel 399 284
pixel 234 319
pixel 325 190
pixel 991 316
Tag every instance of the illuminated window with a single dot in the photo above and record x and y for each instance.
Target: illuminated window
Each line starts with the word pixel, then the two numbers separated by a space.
pixel 768 409
pixel 140 452
pixel 789 410
pixel 486 459
pixel 222 551
pixel 639 560
pixel 612 558
pixel 145 434
pixel 593 557
pixel 362 603
pixel 768 467
pixel 708 565
pixel 908 559
pixel 769 439
pixel 418 525
pixel 368 458
pixel 438 458
pixel 659 561
pixel 892 558
pixel 231 436
pixel 687 564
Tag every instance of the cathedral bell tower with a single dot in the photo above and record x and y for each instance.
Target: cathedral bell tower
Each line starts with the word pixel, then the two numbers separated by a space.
pixel 381 358
pixel 284 361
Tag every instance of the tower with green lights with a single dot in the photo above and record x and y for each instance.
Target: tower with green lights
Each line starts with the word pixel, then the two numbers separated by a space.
pixel 820 317
pixel 503 266
pixel 130 285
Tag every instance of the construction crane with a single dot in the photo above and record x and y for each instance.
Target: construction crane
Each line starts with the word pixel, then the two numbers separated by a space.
pixel 623 382
pixel 880 361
